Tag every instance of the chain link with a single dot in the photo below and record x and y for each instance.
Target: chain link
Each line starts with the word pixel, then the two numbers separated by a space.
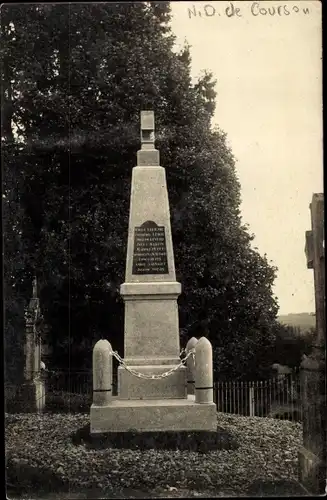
pixel 144 375
pixel 154 377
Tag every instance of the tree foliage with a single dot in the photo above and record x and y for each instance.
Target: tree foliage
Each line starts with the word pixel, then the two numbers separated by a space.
pixel 17 263
pixel 75 79
pixel 292 344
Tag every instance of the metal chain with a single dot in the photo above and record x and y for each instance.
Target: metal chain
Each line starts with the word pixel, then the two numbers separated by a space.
pixel 153 377
pixel 142 375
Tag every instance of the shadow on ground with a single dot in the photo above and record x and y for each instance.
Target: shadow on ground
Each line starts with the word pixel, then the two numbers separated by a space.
pixel 92 494
pixel 66 494
pixel 57 490
pixel 276 488
pixel 199 441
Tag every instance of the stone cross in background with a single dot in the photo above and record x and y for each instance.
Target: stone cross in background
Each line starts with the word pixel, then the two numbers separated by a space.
pixel 32 338
pixel 312 456
pixel 30 396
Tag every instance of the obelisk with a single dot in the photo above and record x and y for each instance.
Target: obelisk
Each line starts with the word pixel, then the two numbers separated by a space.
pixel 150 291
pixel 152 382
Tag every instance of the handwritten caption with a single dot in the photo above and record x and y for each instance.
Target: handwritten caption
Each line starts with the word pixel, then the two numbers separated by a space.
pixel 255 8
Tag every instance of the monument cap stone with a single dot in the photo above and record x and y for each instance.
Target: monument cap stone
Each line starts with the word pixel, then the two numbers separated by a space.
pixel 147 127
pixel 147 155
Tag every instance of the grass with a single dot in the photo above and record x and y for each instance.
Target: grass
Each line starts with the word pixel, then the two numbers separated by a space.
pixel 53 452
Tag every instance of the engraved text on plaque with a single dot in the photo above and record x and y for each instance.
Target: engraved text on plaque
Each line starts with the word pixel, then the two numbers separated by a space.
pixel 150 253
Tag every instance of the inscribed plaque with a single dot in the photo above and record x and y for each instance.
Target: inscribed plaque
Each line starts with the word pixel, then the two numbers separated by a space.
pixel 150 252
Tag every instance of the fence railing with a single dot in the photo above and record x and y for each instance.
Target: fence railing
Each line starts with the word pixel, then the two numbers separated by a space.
pixel 75 382
pixel 279 397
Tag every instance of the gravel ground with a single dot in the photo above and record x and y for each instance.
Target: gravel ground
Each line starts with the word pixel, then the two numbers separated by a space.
pixel 42 459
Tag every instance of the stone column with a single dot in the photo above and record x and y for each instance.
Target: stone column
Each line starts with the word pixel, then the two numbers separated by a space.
pixel 312 456
pixel 203 372
pixel 102 373
pixel 190 365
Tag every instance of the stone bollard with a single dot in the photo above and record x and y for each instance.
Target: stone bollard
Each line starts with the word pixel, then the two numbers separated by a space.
pixel 102 373
pixel 203 372
pixel 190 365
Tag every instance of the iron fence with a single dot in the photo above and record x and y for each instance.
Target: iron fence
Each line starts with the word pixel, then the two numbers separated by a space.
pixel 74 382
pixel 278 397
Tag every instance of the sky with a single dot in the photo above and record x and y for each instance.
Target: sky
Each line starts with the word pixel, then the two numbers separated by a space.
pixel 269 102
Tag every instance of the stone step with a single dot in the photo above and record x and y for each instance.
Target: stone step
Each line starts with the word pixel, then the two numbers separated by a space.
pixel 153 415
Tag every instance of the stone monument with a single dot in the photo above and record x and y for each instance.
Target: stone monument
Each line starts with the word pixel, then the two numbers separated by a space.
pixel 30 396
pixel 312 456
pixel 147 398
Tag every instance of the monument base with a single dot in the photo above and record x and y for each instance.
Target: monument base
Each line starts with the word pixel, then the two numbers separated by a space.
pixel 172 387
pixel 153 415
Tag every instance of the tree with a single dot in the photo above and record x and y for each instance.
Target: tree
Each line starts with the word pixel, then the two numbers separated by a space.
pixel 79 75
pixel 292 344
pixel 16 264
